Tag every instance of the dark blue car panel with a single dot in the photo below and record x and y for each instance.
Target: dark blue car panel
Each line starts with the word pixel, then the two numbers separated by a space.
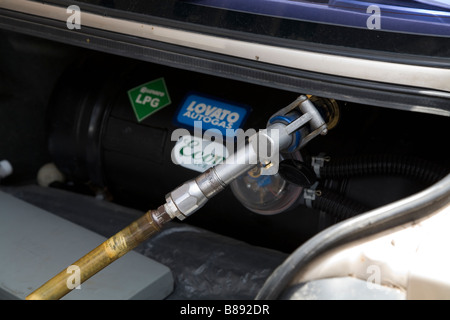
pixel 399 16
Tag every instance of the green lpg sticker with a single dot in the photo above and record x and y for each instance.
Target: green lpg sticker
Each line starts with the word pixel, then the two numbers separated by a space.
pixel 148 98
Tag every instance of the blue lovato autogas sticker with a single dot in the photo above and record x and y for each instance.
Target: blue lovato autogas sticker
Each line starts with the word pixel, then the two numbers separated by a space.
pixel 211 113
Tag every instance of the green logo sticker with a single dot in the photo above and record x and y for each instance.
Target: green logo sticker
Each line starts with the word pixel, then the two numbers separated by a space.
pixel 148 98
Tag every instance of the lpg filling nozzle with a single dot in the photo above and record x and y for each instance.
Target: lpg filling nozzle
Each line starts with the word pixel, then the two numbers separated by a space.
pixel 286 130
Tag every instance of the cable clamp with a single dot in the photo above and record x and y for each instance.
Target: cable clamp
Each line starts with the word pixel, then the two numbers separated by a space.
pixel 310 194
pixel 318 162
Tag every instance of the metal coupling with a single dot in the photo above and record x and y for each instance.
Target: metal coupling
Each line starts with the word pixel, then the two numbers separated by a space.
pixel 185 200
pixel 193 194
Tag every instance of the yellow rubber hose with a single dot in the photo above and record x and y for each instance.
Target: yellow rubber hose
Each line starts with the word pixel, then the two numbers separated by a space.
pixel 106 253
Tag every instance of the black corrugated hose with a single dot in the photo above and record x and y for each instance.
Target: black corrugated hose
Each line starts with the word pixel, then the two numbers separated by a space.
pixel 341 207
pixel 407 166
pixel 337 205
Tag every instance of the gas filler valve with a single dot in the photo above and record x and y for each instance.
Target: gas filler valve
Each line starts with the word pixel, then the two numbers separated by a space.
pixel 288 130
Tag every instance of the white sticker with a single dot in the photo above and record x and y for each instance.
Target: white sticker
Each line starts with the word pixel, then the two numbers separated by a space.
pixel 198 154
